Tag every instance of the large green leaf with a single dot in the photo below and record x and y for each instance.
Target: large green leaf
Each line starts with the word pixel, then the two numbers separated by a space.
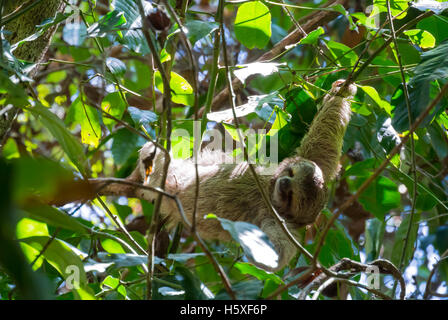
pixel 54 217
pixel 69 144
pixel 253 24
pixel 198 30
pixel 112 21
pixel 133 36
pixel 343 54
pixel 253 240
pixel 396 6
pixel 124 145
pixel 437 26
pixel 67 262
pixel 260 274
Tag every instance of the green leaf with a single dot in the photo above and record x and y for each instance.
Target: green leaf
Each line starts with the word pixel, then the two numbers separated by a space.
pixel 28 227
pixel 116 66
pixel 112 21
pixel 54 217
pixel 198 30
pixel 313 36
pixel 433 66
pixel 124 145
pixel 114 105
pixel 133 36
pixel 114 283
pixel 142 117
pixel 65 261
pixel 345 55
pixel 256 245
pixel 380 197
pixel 260 274
pixel 89 120
pixel 422 38
pixel 340 8
pixel 438 136
pixel 38 177
pixel 253 24
pixel 245 290
pixel 437 26
pixel 181 90
pixel 396 6
pixel 57 128
pixel 373 94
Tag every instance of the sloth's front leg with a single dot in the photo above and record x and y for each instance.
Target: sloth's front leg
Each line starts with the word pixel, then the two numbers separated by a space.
pixel 284 248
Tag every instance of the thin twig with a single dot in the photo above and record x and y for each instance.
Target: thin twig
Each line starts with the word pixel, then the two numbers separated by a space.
pixel 413 163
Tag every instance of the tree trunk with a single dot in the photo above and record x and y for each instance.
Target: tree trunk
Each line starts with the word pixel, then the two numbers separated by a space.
pixel 33 51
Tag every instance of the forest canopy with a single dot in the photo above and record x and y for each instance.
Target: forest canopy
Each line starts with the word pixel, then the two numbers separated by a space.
pixel 84 84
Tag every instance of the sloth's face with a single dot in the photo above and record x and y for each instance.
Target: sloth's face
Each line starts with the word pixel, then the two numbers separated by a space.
pixel 299 193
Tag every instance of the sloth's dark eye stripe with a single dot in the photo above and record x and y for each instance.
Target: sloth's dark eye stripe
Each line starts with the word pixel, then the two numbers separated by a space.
pixel 290 172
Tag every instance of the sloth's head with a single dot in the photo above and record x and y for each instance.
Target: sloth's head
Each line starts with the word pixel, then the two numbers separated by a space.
pixel 146 160
pixel 339 89
pixel 298 191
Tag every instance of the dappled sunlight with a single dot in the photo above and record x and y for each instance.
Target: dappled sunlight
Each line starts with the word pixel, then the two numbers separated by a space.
pixel 258 248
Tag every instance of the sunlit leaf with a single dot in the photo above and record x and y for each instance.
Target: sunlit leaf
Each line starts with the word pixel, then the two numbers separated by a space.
pixel 263 68
pixel 112 21
pixel 260 274
pixel 422 38
pixel 256 245
pixel 372 93
pixel 181 90
pixel 65 261
pixel 114 105
pixel 342 53
pixel 313 36
pixel 253 24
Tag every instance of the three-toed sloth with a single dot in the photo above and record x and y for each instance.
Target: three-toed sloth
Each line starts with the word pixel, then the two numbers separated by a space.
pixel 297 187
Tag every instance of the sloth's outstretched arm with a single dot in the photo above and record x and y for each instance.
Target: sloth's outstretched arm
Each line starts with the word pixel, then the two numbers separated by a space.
pixel 323 142
pixel 285 249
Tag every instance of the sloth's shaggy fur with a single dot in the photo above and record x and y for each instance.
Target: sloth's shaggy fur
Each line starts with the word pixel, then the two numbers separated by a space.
pixel 297 187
